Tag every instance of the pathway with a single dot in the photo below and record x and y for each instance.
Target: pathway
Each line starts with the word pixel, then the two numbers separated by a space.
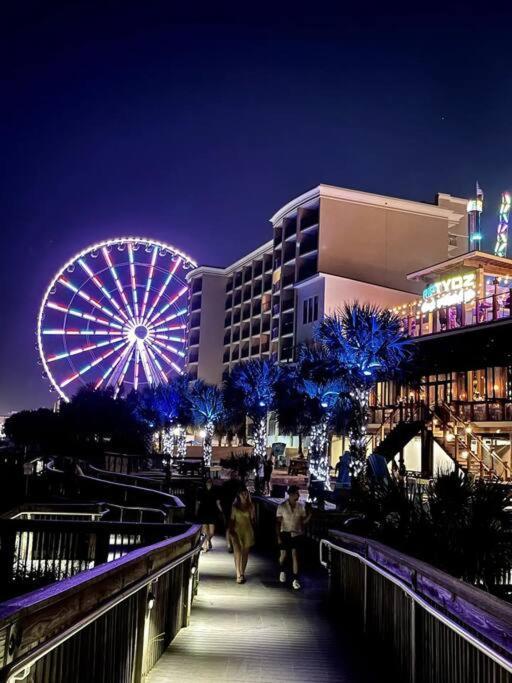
pixel 260 632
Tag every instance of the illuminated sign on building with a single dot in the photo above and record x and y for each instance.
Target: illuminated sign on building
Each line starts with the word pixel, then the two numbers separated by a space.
pixel 459 289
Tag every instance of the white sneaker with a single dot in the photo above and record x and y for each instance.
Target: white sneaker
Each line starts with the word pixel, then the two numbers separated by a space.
pixel 282 577
pixel 295 585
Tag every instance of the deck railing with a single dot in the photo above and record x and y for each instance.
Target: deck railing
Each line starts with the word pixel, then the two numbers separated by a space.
pixel 38 552
pixel 432 627
pixel 58 483
pixel 184 488
pixel 109 624
pixel 485 310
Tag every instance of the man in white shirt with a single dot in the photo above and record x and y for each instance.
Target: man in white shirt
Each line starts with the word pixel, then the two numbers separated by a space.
pixel 291 517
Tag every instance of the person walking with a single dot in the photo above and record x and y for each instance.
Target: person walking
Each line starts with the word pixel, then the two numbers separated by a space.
pixel 291 517
pixel 228 493
pixel 241 531
pixel 207 513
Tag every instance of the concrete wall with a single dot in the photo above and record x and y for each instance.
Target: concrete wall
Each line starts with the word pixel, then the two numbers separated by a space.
pixel 412 458
pixel 313 287
pixel 379 244
pixel 333 292
pixel 339 290
pixel 211 331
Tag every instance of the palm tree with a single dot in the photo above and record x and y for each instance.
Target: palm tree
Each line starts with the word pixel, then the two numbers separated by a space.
pixel 292 405
pixel 365 345
pixel 251 385
pixel 323 392
pixel 166 408
pixel 207 408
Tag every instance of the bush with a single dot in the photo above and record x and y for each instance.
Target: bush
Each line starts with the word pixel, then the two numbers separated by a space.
pixel 241 463
pixel 461 527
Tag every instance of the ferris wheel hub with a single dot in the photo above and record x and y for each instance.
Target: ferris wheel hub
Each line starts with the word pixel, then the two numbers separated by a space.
pixel 141 332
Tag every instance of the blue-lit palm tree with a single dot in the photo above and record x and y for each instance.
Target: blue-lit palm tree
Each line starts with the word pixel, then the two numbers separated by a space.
pixel 207 409
pixel 165 409
pixel 172 403
pixel 252 386
pixel 365 345
pixel 324 392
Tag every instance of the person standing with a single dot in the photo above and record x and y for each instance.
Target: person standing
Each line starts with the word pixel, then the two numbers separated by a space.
pixel 207 513
pixel 241 531
pixel 268 467
pixel 291 517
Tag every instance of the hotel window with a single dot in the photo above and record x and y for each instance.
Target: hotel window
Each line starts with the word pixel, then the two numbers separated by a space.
pixel 310 310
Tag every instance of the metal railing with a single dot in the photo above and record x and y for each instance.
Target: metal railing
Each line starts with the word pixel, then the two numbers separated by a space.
pixel 59 483
pixel 432 627
pixel 108 625
pixel 484 310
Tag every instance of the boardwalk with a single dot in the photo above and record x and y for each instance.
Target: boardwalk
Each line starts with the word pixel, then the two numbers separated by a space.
pixel 260 632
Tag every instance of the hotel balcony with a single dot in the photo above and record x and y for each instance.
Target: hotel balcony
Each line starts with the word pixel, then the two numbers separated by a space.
pixel 197 285
pixel 290 228
pixel 195 303
pixel 307 267
pixel 258 269
pixel 308 245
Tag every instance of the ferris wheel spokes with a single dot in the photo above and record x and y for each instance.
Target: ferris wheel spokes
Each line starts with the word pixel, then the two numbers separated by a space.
pixel 131 328
pixel 163 288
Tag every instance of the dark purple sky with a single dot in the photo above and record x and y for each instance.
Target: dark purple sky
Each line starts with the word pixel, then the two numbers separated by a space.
pixel 195 126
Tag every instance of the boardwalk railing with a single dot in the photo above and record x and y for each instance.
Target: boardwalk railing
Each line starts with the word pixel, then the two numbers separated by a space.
pixel 184 488
pixel 431 627
pixel 90 488
pixel 34 553
pixel 109 624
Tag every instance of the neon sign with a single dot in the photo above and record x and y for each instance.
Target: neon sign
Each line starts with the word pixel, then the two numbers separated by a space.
pixel 458 289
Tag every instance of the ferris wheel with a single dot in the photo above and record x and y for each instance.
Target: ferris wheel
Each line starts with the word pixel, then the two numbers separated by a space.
pixel 114 314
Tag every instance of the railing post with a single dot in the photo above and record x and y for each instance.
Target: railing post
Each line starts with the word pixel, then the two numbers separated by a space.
pixel 140 636
pixel 412 636
pixel 365 597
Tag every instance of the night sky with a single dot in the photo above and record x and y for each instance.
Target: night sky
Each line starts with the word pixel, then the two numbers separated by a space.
pixel 194 126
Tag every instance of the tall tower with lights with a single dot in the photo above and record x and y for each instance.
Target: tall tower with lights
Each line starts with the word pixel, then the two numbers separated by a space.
pixel 475 207
pixel 502 233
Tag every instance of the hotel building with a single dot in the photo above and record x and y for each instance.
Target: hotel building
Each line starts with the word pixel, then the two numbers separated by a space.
pixel 329 245
pixel 332 245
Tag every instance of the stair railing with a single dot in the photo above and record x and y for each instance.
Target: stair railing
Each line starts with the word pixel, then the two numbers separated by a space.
pixel 406 412
pixel 485 456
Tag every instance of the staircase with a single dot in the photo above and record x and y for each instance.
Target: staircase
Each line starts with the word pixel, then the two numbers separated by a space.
pixel 469 452
pixel 398 438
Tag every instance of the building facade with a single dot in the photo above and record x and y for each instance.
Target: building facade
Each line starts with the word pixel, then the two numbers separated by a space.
pixel 329 246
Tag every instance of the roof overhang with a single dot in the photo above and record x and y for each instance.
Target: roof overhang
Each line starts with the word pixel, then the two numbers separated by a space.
pixel 472 260
pixel 369 198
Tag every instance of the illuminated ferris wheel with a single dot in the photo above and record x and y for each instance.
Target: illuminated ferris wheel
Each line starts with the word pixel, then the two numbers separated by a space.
pixel 115 314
